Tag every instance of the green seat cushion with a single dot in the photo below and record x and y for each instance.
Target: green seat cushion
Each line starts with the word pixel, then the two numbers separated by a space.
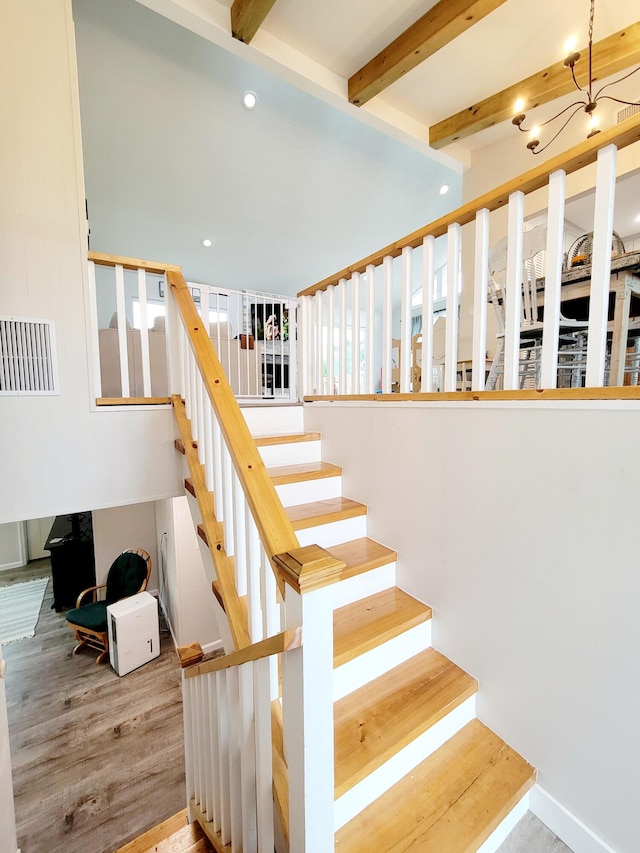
pixel 92 616
pixel 125 577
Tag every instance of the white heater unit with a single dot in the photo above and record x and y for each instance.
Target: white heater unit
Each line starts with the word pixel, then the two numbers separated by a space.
pixel 134 635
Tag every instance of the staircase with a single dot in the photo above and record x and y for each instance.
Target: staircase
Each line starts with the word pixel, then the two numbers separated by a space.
pixel 414 767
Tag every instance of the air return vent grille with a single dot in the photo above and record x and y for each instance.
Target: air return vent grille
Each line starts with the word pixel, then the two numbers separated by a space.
pixel 627 112
pixel 27 357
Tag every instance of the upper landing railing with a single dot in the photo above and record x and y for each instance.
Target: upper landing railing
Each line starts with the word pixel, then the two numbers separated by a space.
pixel 560 332
pixel 253 334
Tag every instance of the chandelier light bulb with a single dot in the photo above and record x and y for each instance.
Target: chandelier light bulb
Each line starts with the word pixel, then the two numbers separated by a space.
pixel 518 107
pixel 587 99
pixel 570 45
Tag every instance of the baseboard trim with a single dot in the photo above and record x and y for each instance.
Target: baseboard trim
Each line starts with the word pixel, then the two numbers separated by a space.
pixel 212 647
pixel 566 826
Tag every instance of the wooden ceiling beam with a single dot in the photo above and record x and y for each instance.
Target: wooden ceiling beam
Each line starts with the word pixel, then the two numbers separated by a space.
pixel 247 17
pixel 610 56
pixel 440 25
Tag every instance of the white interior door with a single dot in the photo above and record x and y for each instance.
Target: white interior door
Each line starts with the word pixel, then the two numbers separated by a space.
pixel 37 533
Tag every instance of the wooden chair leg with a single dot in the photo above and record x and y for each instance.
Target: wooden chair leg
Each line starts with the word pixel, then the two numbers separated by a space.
pixel 81 645
pixel 102 656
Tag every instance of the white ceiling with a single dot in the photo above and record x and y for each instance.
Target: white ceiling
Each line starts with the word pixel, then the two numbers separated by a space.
pixel 516 40
pixel 174 158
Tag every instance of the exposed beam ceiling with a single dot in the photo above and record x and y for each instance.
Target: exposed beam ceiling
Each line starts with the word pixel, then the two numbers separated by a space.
pixel 247 17
pixel 610 56
pixel 440 25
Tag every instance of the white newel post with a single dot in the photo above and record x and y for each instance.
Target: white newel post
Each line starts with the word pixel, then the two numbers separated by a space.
pixel 175 369
pixel 307 705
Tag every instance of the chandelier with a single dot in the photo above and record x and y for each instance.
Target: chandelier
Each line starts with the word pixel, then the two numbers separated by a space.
pixel 587 102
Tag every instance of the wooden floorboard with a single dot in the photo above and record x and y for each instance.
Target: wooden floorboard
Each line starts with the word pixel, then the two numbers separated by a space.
pixel 97 759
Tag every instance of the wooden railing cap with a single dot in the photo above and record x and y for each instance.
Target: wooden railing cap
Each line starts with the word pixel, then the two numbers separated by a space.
pixel 309 568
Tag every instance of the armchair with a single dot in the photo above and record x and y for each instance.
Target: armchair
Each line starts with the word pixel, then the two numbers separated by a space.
pixel 128 575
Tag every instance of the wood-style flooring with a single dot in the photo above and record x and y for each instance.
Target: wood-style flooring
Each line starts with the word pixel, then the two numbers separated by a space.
pixel 97 759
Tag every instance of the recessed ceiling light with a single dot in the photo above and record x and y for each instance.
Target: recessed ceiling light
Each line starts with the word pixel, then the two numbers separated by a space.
pixel 638 218
pixel 206 243
pixel 249 100
pixel 444 189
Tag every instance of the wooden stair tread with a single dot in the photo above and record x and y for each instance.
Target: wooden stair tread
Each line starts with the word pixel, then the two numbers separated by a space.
pixel 369 622
pixel 285 438
pixel 282 474
pixel 189 487
pixel 173 835
pixel 451 802
pixel 362 555
pixel 379 719
pixel 316 513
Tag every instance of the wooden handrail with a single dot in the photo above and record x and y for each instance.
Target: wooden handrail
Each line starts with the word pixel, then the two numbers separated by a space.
pixel 609 392
pixel 274 528
pixel 105 260
pixel 284 642
pixel 621 135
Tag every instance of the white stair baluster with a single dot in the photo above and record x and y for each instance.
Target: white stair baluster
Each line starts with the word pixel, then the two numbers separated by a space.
pixel 405 320
pixel 144 333
pixel 454 249
pixel 121 312
pixel 264 765
pixel 223 765
pixel 387 321
pixel 187 718
pixel 320 348
pixel 342 291
pixel 247 756
pixel 428 275
pixel 513 292
pixel 601 268
pixel 331 319
pixel 355 334
pixel 253 586
pixel 239 535
pixel 235 758
pixel 480 290
pixel 553 280
pixel 215 749
pixel 370 383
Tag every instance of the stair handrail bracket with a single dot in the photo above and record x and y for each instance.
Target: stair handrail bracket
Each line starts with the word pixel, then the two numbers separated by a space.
pixel 410 338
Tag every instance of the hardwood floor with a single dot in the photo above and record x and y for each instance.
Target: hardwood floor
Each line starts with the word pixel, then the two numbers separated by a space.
pixel 97 759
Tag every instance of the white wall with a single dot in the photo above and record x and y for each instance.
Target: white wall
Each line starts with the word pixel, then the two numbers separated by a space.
pixel 119 528
pixel 56 454
pixel 518 525
pixel 186 594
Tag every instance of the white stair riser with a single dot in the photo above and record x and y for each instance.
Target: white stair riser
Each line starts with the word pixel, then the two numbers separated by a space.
pixel 333 533
pixel 321 489
pixel 503 829
pixel 274 420
pixel 290 454
pixel 359 671
pixel 363 585
pixel 402 763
